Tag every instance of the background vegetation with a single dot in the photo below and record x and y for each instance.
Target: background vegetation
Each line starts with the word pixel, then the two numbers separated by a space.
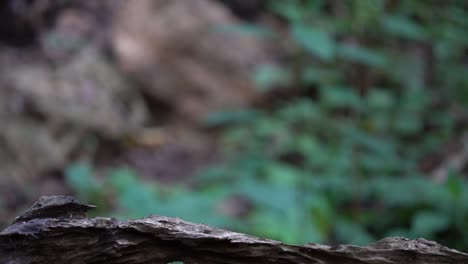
pixel 361 112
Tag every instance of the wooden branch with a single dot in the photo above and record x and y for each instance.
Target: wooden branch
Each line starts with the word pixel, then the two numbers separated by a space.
pixel 54 230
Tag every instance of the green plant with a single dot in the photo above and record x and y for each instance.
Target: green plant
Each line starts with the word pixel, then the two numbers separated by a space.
pixel 342 165
pixel 134 198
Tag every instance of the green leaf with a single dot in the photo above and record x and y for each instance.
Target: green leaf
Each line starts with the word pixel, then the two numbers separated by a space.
pixel 135 198
pixel 380 99
pixel 321 214
pixel 282 175
pixel 338 97
pixel 290 10
pixel 351 232
pixel 277 198
pixel 272 224
pixel 407 124
pixel 314 75
pixel 454 184
pixel 410 192
pixel 80 177
pixel 427 223
pixel 314 40
pixel 268 76
pixel 304 110
pixel 197 207
pixel 361 54
pixel 404 27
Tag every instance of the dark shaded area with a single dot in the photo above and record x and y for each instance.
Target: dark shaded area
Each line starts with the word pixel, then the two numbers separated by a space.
pixel 14 30
pixel 247 9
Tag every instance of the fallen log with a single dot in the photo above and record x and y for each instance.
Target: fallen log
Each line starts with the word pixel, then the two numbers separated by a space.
pixel 55 230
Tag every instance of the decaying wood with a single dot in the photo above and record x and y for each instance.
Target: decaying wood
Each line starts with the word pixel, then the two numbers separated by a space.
pixel 54 231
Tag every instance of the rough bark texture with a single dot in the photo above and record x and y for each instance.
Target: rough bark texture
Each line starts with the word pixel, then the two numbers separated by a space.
pixel 47 236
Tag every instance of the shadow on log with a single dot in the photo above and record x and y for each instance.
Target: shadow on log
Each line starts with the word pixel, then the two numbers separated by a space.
pixel 56 230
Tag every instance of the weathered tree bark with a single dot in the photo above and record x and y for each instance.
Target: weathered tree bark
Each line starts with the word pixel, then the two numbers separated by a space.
pixel 55 230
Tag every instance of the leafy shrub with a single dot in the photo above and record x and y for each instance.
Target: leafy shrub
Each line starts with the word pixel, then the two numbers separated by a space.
pixel 342 165
pixel 134 198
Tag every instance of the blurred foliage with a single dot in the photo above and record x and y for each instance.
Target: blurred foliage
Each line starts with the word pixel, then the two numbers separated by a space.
pixel 134 198
pixel 338 163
